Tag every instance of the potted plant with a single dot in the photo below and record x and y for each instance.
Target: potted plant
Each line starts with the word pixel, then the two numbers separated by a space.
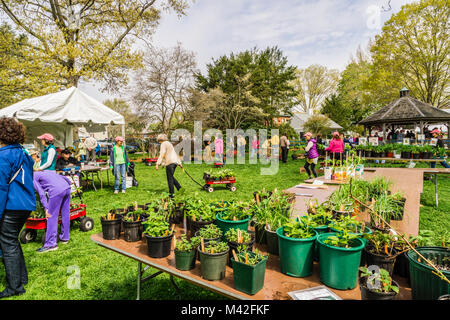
pixel 185 251
pixel 199 214
pixel 340 258
pixel 406 151
pixel 111 226
pixel 386 208
pixel 296 246
pixel 209 232
pixel 132 225
pixel 427 152
pixel 213 259
pixel 249 270
pixel 238 238
pixel 380 250
pixel 119 213
pixel 159 236
pixel 425 281
pixel 415 151
pixel 377 285
pixel 236 216
pixel 319 220
pixel 268 215
pixel 389 150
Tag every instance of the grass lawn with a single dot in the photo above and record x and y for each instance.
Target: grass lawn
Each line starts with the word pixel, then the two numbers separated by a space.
pixel 107 275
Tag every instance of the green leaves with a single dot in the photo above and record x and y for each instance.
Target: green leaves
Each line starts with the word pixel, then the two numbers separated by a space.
pixel 210 231
pixel 379 281
pixel 187 245
pixel 343 240
pixel 298 230
pixel 214 247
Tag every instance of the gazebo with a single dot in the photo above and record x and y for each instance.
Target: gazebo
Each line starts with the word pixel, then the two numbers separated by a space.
pixel 406 111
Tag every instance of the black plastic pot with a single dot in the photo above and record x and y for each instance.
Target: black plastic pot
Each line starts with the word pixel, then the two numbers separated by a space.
pixel 367 294
pixel 111 228
pixel 132 231
pixel 120 213
pixel 140 207
pixel 382 261
pixel 234 246
pixel 406 155
pixel 272 242
pixel 194 226
pixel 427 155
pixel 260 235
pixel 159 247
pixel 401 266
pixel 416 156
pixel 177 216
pixel 264 197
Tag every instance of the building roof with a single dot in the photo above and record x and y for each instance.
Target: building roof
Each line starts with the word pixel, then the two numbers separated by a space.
pixel 406 110
pixel 299 118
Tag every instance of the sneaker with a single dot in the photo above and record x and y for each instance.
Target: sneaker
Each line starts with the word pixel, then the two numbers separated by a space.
pixel 43 249
pixel 123 191
pixel 116 191
pixel 64 241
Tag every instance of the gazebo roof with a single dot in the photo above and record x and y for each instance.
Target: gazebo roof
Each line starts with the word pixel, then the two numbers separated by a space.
pixel 406 110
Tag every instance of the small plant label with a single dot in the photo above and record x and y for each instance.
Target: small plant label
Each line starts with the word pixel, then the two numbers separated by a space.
pixel 362 141
pixel 406 141
pixel 433 142
pixel 373 141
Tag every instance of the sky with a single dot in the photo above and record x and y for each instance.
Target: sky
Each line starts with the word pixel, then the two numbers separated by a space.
pixel 325 32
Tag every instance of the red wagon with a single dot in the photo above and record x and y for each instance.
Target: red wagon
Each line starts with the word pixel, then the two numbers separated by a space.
pixel 228 182
pixel 149 161
pixel 77 213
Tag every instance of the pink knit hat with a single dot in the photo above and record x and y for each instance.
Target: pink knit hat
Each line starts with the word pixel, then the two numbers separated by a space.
pixel 119 138
pixel 335 134
pixel 308 134
pixel 46 136
pixel 436 131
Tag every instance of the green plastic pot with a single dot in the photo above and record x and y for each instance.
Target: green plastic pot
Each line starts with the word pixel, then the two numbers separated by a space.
pixel 185 260
pixel 213 266
pixel 424 284
pixel 225 225
pixel 249 279
pixel 296 255
pixel 339 266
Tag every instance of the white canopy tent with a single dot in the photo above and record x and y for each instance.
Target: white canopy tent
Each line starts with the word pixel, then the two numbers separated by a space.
pixel 58 113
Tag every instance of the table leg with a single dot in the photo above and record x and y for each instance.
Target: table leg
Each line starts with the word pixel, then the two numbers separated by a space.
pixel 93 182
pixel 176 287
pixel 436 190
pixel 141 280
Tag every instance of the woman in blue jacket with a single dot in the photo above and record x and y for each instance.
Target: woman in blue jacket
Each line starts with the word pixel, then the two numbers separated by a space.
pixel 17 200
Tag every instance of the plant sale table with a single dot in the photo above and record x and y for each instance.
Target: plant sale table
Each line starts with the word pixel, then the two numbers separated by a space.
pixel 89 171
pixel 408 181
pixel 276 284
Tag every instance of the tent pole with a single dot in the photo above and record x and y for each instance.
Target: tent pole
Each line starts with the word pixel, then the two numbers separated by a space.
pixel 123 131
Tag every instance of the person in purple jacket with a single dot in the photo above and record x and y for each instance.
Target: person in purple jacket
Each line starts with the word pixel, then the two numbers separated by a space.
pixel 57 187
pixel 312 155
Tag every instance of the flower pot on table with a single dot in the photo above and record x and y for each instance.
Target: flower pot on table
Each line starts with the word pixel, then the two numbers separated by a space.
pixel 213 265
pixel 249 279
pixel 339 266
pixel 296 255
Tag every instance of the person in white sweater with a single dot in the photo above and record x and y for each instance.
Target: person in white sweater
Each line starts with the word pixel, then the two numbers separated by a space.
pixel 169 158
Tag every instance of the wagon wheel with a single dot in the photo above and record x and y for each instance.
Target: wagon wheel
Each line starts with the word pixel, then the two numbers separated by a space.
pixel 27 235
pixel 210 189
pixel 86 224
pixel 232 188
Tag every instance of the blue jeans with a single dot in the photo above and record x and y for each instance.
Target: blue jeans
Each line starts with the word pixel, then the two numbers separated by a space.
pixel 120 172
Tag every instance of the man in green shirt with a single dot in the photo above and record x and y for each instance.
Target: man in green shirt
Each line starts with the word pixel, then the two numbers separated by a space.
pixel 119 163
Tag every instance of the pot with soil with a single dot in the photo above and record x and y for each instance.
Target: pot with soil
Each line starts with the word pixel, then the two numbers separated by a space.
pixel 425 284
pixel 249 271
pixel 185 253
pixel 213 260
pixel 340 257
pixel 377 286
pixel 159 237
pixel 380 251
pixel 427 155
pixel 296 248
pixel 132 231
pixel 111 226
pixel 272 241
pixel 228 220
pixel 194 226
pixel 119 213
pixel 260 234
pixel 406 155
pixel 236 238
